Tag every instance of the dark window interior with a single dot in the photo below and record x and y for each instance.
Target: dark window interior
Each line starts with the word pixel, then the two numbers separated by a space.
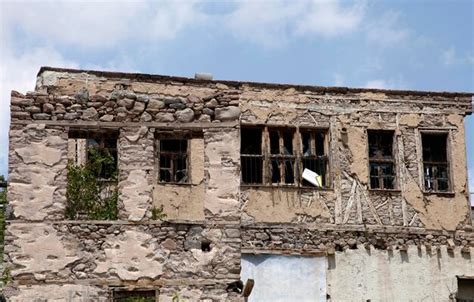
pixel 465 290
pixel 272 156
pixel 173 160
pixel 314 155
pixel 435 162
pixel 282 160
pixel 381 160
pixel 251 155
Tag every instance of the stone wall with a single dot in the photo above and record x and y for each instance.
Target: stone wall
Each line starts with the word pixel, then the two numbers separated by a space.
pixel 212 219
pixel 160 255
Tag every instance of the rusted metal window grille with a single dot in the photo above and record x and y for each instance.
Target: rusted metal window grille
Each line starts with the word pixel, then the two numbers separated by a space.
pixel 251 155
pixel 435 162
pixel 135 295
pixel 282 159
pixel 173 160
pixel 277 155
pixel 314 154
pixel 83 143
pixel 381 160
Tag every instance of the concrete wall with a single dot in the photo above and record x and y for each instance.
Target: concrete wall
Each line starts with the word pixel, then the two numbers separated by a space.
pixel 412 275
pixel 285 278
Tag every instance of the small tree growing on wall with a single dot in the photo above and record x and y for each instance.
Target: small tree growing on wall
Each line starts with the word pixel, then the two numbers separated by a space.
pixel 89 196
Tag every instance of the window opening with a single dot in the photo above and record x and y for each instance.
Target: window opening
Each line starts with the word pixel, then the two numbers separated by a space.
pixel 134 296
pixel 435 162
pixel 278 155
pixel 282 168
pixel 92 175
pixel 381 160
pixel 96 148
pixel 465 291
pixel 314 155
pixel 251 155
pixel 173 160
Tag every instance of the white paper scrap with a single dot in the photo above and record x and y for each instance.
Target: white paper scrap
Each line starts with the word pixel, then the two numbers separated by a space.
pixel 312 177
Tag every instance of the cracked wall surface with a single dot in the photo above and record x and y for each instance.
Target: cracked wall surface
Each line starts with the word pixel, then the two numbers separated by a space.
pixel 209 221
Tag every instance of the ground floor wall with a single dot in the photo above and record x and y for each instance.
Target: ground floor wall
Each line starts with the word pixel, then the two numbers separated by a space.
pixel 412 275
pixel 92 261
pixel 362 274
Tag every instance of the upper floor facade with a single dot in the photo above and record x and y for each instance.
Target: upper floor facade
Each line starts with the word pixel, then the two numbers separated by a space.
pixel 235 151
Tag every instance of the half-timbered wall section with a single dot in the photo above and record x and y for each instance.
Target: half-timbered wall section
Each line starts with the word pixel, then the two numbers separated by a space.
pixel 208 171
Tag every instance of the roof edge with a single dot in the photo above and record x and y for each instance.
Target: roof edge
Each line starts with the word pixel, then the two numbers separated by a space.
pixel 155 77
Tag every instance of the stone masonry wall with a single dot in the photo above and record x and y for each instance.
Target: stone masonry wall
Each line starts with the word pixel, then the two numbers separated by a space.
pixel 87 259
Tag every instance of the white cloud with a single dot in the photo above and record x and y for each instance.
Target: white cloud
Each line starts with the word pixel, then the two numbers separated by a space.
pixel 274 23
pixel 450 57
pixel 396 82
pixel 387 30
pixel 381 84
pixel 263 22
pixel 18 72
pixel 338 79
pixel 330 18
pixel 99 25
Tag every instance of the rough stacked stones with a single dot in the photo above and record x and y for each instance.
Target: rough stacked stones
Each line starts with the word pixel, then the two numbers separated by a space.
pixel 328 241
pixel 125 106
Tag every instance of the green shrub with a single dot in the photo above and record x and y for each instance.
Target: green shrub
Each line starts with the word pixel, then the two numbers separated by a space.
pixel 157 213
pixel 88 196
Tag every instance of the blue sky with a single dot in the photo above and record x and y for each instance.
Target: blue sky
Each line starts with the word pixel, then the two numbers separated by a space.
pixel 421 45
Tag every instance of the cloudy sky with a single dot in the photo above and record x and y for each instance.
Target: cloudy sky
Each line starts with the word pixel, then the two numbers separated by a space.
pixel 410 44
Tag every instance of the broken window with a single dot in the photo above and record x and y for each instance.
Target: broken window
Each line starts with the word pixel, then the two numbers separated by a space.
pixel 95 148
pixel 314 154
pixel 92 175
pixel 173 160
pixel 381 160
pixel 435 162
pixel 281 157
pixel 134 296
pixel 274 155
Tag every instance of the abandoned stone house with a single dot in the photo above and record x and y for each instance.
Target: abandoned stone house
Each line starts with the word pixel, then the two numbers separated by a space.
pixel 155 188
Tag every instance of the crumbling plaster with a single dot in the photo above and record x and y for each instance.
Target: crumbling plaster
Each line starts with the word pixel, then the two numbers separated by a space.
pixel 292 108
pixel 185 201
pixel 283 205
pixel 412 275
pixel 60 293
pixel 222 153
pixel 37 175
pixel 132 255
pixel 41 251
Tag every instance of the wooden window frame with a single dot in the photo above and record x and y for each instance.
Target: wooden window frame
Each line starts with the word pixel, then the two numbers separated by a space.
pixel 173 155
pixel 380 160
pixel 326 183
pixel 297 156
pixel 280 158
pixel 436 164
